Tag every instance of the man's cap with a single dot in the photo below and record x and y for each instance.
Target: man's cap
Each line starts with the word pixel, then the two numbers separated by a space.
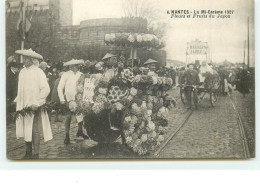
pixel 10 59
pixel 150 61
pixel 43 65
pixel 29 53
pixel 108 55
pixel 73 62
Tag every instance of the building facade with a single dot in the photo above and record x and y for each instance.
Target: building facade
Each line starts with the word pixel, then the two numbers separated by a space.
pixel 54 36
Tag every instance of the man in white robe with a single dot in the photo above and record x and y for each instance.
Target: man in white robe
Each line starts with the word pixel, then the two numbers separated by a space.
pixel 67 93
pixel 32 91
pixel 204 68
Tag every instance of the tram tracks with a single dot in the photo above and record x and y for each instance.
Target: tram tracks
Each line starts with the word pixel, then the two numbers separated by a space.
pixel 241 128
pixel 173 132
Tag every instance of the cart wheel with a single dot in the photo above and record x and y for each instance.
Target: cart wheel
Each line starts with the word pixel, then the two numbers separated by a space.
pixel 213 98
pixel 183 97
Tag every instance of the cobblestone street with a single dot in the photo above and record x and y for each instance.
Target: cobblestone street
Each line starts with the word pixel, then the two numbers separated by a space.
pixel 208 133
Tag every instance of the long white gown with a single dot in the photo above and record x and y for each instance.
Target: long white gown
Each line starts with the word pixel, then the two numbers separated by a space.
pixel 33 88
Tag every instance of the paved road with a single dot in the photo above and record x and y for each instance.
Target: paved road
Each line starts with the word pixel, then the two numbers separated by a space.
pixel 209 133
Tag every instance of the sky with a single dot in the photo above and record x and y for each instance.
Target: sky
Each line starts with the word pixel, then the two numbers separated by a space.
pixel 225 36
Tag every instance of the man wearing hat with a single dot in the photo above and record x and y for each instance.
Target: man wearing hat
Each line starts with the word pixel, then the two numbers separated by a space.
pixel 67 93
pixel 32 91
pixel 191 78
pixel 151 64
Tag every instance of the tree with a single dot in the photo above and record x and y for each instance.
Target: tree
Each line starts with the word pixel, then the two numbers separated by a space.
pixel 148 9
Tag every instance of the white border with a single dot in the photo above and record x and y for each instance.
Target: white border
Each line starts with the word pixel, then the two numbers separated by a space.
pixel 126 165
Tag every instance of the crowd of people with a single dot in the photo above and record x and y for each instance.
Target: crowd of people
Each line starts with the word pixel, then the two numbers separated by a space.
pixel 198 75
pixel 34 82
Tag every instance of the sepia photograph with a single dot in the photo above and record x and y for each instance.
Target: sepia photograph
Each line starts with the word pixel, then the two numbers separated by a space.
pixel 130 79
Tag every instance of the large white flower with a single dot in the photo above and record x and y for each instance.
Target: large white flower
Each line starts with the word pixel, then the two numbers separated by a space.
pixel 119 106
pixel 160 138
pixel 97 107
pixel 130 97
pixel 155 80
pixel 145 37
pixel 138 142
pixel 128 139
pixel 134 106
pixel 139 38
pixel 164 81
pixel 133 91
pixel 153 134
pixel 137 78
pixel 149 37
pixel 113 37
pixel 149 112
pixel 107 37
pixel 143 106
pixel 128 119
pixel 132 129
pixel 134 120
pixel 102 90
pixel 144 138
pixel 131 38
pixel 151 125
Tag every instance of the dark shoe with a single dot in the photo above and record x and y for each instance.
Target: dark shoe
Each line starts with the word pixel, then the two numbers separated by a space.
pixel 28 155
pixel 67 140
pixel 81 134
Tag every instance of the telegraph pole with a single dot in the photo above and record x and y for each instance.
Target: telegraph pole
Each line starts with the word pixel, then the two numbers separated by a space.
pixel 23 29
pixel 244 60
pixel 248 56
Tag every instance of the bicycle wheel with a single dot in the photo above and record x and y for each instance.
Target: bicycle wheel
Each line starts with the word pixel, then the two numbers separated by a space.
pixel 183 97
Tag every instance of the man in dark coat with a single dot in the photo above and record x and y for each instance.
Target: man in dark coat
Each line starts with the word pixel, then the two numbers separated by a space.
pixel 11 86
pixel 12 81
pixel 191 79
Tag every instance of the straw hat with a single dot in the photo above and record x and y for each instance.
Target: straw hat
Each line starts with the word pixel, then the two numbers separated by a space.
pixel 190 64
pixel 29 53
pixel 73 62
pixel 108 55
pixel 150 61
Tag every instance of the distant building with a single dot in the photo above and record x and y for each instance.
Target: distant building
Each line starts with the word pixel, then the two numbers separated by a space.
pixel 53 35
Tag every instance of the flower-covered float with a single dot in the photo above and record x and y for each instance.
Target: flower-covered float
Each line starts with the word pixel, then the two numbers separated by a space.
pixel 133 106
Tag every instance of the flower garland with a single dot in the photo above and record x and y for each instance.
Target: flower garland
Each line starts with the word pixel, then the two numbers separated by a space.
pixel 28 111
pixel 58 108
pixel 134 39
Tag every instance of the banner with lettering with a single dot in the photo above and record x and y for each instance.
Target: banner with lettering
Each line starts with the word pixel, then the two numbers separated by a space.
pixel 197 48
pixel 89 86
